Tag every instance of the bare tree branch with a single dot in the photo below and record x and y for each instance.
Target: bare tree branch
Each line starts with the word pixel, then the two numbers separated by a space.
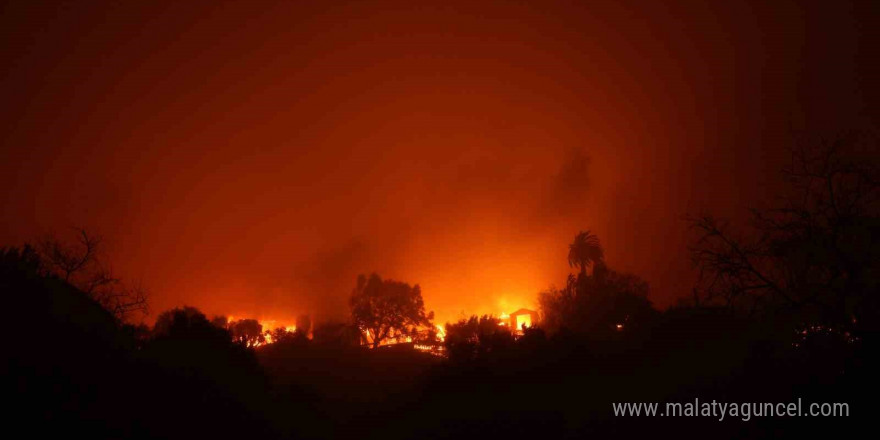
pixel 81 265
pixel 814 248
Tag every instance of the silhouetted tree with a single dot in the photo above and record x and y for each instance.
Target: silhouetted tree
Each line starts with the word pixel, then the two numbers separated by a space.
pixel 614 302
pixel 70 261
pixel 182 320
pixel 557 306
pixel 248 332
pixel 382 308
pixel 282 335
pixel 80 264
pixel 279 334
pixel 815 254
pixel 48 309
pixel 599 304
pixel 65 357
pixel 206 375
pixel 476 337
pixel 585 251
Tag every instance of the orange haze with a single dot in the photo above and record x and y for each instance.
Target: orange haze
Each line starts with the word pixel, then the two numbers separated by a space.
pixel 251 158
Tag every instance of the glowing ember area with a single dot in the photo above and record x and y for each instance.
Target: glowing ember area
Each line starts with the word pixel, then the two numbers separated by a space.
pixel 504 319
pixel 523 321
pixel 429 340
pixel 396 340
pixel 268 333
pixel 810 333
pixel 441 333
pixel 266 327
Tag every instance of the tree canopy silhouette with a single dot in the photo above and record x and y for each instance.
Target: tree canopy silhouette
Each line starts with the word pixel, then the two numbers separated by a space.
pixel 603 302
pixel 282 336
pixel 384 308
pixel 814 253
pixel 184 321
pixel 80 263
pixel 248 332
pixel 476 337
pixel 585 252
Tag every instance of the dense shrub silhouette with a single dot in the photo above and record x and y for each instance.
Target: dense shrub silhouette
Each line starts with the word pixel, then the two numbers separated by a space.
pixel 73 369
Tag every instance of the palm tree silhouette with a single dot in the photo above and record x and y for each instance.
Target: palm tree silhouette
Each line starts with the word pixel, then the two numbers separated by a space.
pixel 585 251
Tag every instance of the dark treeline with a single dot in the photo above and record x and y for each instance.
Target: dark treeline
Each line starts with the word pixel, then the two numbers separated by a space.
pixel 786 308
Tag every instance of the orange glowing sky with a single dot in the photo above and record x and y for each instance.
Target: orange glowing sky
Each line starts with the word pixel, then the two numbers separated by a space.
pixel 253 157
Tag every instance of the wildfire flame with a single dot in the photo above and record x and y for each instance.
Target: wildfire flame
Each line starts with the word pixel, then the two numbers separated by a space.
pixel 268 326
pixel 441 333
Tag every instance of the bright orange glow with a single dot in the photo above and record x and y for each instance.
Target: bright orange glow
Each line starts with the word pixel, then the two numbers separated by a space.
pixel 441 333
pixel 272 324
pixel 523 320
pixel 504 319
pixel 479 137
pixel 268 326
pixel 268 335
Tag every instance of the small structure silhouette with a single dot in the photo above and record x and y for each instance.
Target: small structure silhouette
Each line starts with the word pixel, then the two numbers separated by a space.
pixel 521 320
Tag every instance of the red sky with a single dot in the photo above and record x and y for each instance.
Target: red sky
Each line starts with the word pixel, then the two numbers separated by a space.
pixel 254 157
